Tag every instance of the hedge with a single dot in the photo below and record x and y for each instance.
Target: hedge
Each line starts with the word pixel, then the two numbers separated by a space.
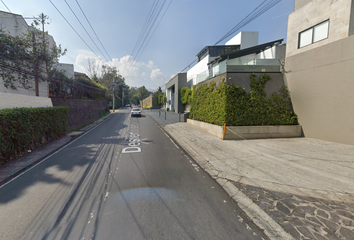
pixel 186 95
pixel 23 129
pixel 234 106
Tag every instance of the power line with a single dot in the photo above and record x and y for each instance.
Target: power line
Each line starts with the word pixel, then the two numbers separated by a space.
pixel 258 11
pixel 142 29
pixel 93 29
pixel 85 30
pixel 12 13
pixel 6 6
pixel 154 31
pixel 141 44
pixel 250 18
pixel 75 30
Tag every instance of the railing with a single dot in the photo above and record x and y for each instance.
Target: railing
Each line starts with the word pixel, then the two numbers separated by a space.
pixel 241 65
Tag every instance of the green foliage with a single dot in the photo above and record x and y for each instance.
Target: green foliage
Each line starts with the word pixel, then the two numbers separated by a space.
pixel 28 56
pixel 161 99
pixel 137 94
pixel 23 129
pixel 89 82
pixel 186 95
pixel 234 106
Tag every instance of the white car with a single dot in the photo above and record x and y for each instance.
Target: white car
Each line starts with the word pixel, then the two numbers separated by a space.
pixel 136 112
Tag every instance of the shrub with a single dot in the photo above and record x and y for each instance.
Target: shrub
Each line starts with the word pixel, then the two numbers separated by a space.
pixel 234 106
pixel 23 129
pixel 186 95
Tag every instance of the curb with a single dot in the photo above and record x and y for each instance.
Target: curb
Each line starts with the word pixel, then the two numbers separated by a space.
pixel 271 228
pixel 71 138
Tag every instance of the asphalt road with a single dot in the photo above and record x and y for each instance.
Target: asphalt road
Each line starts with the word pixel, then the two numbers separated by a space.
pixel 91 190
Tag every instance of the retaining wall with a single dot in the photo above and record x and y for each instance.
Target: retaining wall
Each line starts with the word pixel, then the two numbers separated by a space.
pixel 249 132
pixel 81 112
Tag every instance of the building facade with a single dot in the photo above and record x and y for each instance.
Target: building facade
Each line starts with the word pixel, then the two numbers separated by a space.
pixel 318 64
pixel 173 96
pixel 201 71
pixel 16 25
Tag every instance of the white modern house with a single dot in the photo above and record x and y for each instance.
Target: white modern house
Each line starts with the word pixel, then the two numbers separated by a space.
pixel 240 54
pixel 202 71
pixel 232 62
pixel 16 25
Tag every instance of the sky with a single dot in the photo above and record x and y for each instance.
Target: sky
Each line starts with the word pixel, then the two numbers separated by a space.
pixel 183 28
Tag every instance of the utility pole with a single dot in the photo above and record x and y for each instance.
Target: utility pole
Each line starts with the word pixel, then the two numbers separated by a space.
pixel 113 86
pixel 43 18
pixel 123 96
pixel 35 66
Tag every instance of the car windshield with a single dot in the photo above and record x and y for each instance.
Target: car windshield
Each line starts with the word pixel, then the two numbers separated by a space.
pixel 136 110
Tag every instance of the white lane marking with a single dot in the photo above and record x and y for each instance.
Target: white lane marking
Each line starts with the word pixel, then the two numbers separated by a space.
pixel 106 196
pixel 248 227
pixel 131 150
pixel 134 139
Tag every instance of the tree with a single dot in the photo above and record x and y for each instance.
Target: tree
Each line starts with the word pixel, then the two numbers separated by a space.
pixel 92 69
pixel 28 56
pixel 137 94
pixel 158 92
pixel 111 74
pixel 143 92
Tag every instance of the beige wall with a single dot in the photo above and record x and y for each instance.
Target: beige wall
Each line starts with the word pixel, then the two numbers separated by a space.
pixel 309 14
pixel 301 3
pixel 321 86
pixel 243 80
pixel 9 100
pixel 150 101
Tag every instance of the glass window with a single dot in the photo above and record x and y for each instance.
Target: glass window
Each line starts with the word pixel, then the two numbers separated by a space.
pixel 314 34
pixel 320 31
pixel 306 38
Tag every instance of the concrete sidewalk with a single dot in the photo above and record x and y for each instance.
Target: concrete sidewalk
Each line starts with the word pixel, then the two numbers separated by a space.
pixel 293 188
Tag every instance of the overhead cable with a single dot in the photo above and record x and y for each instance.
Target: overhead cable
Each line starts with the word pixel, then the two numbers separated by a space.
pixel 93 29
pixel 5 6
pixel 75 31
pixel 85 30
pixel 146 35
pixel 258 11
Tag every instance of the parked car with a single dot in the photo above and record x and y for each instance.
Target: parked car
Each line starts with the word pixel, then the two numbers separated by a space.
pixel 128 105
pixel 136 112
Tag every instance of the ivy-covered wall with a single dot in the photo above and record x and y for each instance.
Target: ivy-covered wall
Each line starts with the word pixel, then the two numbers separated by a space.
pixel 234 106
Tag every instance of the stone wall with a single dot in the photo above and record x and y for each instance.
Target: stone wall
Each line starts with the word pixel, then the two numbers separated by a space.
pixel 81 111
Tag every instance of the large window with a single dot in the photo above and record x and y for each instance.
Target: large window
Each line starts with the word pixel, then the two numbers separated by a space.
pixel 314 34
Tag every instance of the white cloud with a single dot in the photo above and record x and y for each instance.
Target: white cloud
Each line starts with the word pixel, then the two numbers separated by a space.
pixel 150 64
pixel 135 73
pixel 156 75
